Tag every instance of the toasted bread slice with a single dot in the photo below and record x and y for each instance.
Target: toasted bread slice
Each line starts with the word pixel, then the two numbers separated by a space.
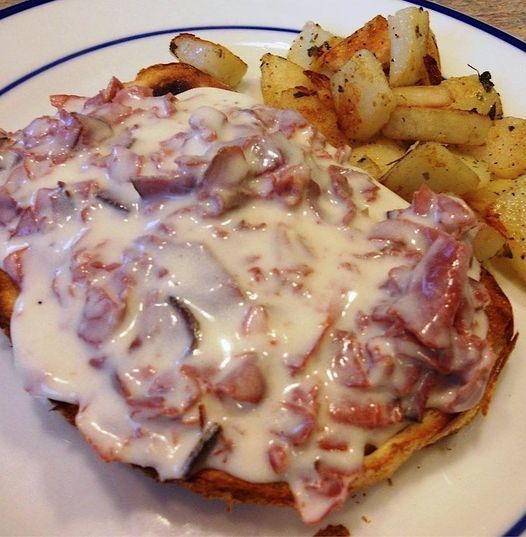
pixel 381 462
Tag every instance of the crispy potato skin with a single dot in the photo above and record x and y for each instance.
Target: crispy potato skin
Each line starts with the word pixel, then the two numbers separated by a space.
pixel 279 74
pixel 373 36
pixel 211 58
pixel 378 465
pixel 315 111
pixel 174 78
pixel 312 42
pixel 432 63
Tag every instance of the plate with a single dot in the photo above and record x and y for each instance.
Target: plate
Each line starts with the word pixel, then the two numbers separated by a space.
pixel 52 483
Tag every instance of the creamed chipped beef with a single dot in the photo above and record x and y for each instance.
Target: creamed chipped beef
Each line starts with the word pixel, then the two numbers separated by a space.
pixel 204 270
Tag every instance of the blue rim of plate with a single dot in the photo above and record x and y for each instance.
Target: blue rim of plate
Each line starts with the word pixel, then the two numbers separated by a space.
pixel 28 4
pixel 520 526
pixel 126 39
pixel 471 21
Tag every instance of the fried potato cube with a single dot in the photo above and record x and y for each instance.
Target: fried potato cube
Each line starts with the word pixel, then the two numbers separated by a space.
pixel 174 78
pixel 367 164
pixel 430 96
pixel 214 59
pixel 505 148
pixel 469 93
pixel 434 165
pixel 480 167
pixel 437 125
pixel 408 38
pixel 508 215
pixel 312 108
pixel 373 36
pixel 381 152
pixel 279 74
pixel 362 97
pixel 487 243
pixel 312 42
pixel 481 199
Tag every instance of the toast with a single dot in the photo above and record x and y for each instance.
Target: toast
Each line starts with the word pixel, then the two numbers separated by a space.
pixel 406 426
pixel 380 464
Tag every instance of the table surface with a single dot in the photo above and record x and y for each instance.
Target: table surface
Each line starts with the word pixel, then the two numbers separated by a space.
pixel 507 15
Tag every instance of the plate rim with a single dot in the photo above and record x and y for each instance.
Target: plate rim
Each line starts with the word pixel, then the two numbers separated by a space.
pixel 439 8
pixel 519 527
pixel 133 37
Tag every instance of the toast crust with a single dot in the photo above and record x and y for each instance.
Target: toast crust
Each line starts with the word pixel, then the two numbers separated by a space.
pixel 377 465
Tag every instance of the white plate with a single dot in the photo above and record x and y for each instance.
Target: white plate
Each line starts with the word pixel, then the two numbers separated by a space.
pixel 50 482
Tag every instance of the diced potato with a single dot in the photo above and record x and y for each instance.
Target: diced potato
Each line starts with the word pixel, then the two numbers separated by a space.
pixel 174 78
pixel 437 125
pixel 469 94
pixel 488 242
pixel 480 167
pixel 482 198
pixel 382 152
pixel 214 59
pixel 362 97
pixel 279 74
pixel 505 148
pixel 366 164
pixel 408 36
pixel 434 165
pixel 312 42
pixel 312 108
pixel 373 36
pixel 508 215
pixel 430 96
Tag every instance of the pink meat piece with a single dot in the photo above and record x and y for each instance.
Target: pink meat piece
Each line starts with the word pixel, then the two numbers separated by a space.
pixel 447 213
pixel 349 362
pixel 278 456
pixel 52 137
pixel 289 183
pixel 123 164
pixel 28 223
pixel 262 154
pixel 343 190
pixel 175 184
pixel 300 409
pixel 369 414
pixel 13 264
pixel 9 209
pixel 221 187
pixel 244 381
pixel 101 314
pixel 53 204
pixel 434 293
pixel 166 393
pixel 106 95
